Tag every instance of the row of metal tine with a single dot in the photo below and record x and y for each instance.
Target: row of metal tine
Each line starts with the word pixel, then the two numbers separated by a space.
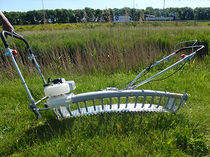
pixel 169 104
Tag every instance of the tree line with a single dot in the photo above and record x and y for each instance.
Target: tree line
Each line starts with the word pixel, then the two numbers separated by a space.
pixel 107 15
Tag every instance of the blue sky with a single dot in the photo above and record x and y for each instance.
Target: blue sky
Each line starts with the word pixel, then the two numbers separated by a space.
pixel 25 5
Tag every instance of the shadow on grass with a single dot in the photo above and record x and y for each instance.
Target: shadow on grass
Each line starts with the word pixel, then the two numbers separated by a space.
pixel 119 125
pixel 52 128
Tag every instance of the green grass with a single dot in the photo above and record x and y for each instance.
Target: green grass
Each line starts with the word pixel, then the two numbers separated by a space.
pixel 185 133
pixel 77 26
pixel 97 56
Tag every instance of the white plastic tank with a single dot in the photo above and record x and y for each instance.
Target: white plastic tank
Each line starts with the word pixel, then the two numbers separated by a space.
pixel 59 88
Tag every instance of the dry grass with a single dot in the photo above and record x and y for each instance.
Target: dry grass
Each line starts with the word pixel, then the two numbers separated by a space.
pixel 104 48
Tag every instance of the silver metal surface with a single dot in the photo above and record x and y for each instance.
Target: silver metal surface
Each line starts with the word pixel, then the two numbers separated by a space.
pixel 64 112
pixel 32 57
pixel 186 58
pixel 9 53
pixel 90 103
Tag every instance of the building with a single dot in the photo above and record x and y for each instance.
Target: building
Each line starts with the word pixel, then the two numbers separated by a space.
pixel 122 18
pixel 161 18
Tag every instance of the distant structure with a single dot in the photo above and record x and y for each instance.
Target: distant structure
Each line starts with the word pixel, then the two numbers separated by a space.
pixel 164 4
pixel 161 18
pixel 44 13
pixel 122 18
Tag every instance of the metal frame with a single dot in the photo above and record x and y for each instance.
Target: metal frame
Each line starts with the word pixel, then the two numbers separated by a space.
pixel 62 105
pixel 186 58
pixel 9 53
pixel 116 101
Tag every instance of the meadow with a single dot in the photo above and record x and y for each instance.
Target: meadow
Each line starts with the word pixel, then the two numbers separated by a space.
pixel 97 57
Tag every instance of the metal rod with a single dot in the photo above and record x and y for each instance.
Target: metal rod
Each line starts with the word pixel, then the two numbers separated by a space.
pixel 60 113
pixel 151 102
pixel 41 100
pixel 43 109
pixel 32 57
pixel 86 106
pixel 156 63
pixel 69 110
pixel 143 101
pixel 53 110
pixel 110 102
pixel 21 76
pixel 126 106
pixel 102 103
pixel 136 101
pixel 118 102
pixel 78 108
pixel 167 101
pixel 159 101
pixel 94 105
pixel 173 104
pixel 181 103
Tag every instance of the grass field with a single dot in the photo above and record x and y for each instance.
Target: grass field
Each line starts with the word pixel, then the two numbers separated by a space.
pixel 106 56
pixel 112 47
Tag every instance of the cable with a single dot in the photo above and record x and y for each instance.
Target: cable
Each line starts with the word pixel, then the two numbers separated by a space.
pixel 161 78
pixel 138 80
pixel 171 74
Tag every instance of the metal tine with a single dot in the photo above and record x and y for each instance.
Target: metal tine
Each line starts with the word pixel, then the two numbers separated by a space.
pixel 167 101
pixel 181 103
pixel 86 106
pixel 159 101
pixel 151 102
pixel 136 101
pixel 172 106
pixel 110 102
pixel 54 112
pixel 78 108
pixel 69 110
pixel 64 111
pixel 118 102
pixel 102 103
pixel 126 102
pixel 143 101
pixel 94 104
pixel 59 113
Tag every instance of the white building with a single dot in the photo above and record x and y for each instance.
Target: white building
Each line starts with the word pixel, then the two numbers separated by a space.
pixel 122 18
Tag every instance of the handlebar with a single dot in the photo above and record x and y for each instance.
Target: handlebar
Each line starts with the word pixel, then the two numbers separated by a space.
pixel 6 45
pixel 188 57
pixel 189 47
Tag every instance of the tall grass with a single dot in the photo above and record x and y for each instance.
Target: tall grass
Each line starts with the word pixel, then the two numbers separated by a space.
pixel 103 48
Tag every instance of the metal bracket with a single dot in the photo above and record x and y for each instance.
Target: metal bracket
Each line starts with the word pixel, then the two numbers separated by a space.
pixel 31 57
pixel 8 52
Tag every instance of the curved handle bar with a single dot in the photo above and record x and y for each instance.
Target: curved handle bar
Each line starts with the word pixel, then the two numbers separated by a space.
pixel 188 41
pixel 199 47
pixel 6 45
pixel 189 47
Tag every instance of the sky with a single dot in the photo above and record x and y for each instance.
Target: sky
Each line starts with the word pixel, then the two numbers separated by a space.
pixel 26 5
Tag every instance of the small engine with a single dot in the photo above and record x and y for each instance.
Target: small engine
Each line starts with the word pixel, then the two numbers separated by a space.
pixel 59 87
